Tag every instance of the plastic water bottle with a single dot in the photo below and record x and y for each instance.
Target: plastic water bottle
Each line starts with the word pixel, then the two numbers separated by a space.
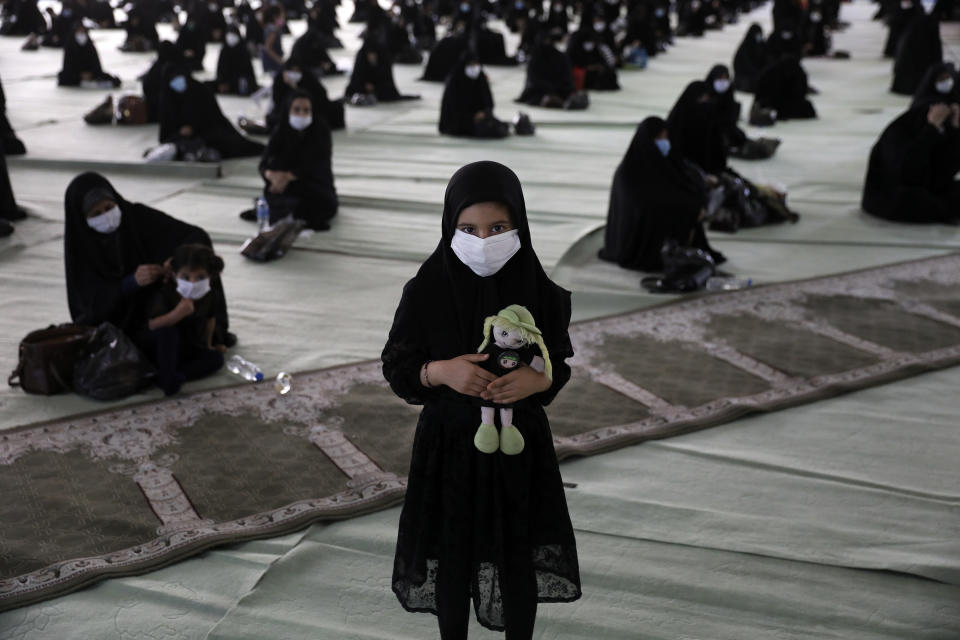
pixel 263 213
pixel 283 383
pixel 722 283
pixel 244 368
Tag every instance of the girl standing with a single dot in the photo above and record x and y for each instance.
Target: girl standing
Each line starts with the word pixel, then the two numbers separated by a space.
pixel 488 528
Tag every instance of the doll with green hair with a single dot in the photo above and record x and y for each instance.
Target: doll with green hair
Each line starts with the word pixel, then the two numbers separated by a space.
pixel 511 339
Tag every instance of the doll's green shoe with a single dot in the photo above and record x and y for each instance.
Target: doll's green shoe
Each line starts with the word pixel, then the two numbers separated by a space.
pixel 511 442
pixel 486 439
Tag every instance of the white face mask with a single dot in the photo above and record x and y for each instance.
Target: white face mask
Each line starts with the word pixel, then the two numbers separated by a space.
pixel 472 71
pixel 232 39
pixel 81 39
pixel 720 85
pixel 300 122
pixel 193 290
pixel 485 256
pixel 786 35
pixel 945 86
pixel 292 77
pixel 815 16
pixel 599 26
pixel 106 222
pixel 588 46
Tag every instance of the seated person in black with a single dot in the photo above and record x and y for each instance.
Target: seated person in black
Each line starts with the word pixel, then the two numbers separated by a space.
pixel 181 319
pixel 940 84
pixel 782 88
pixel 81 64
pixel 550 77
pixel 912 169
pixel 191 119
pixel 591 55
pixel 467 105
pixel 234 68
pixel 296 77
pixel 728 116
pixel 751 58
pixel 920 48
pixel 297 168
pixel 656 196
pixel 372 78
pixel 10 144
pixel 115 251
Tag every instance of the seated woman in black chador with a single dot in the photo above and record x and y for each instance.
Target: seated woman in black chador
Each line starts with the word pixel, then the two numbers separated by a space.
pixel 467 105
pixel 782 87
pixel 487 529
pixel 152 80
pixel 372 78
pixel 911 175
pixel 591 54
pixel 902 13
pixel 297 167
pixel 191 119
pixel 141 27
pixel 81 64
pixel 234 68
pixel 751 58
pixel 311 50
pixel 116 252
pixel 192 44
pixel 696 130
pixel 941 83
pixel 296 77
pixel 10 211
pixel 656 196
pixel 550 76
pixel 920 48
pixel 180 336
pixel 728 115
pixel 22 18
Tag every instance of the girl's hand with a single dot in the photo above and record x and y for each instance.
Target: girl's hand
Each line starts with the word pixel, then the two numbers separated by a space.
pixel 516 386
pixel 462 374
pixel 184 308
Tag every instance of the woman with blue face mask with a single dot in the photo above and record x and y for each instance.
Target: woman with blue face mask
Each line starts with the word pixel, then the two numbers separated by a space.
pixel 117 251
pixel 657 195
pixel 297 167
pixel 191 119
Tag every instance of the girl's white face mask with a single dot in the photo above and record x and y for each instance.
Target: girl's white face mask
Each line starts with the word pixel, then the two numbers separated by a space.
pixel 193 290
pixel 485 256
pixel 106 222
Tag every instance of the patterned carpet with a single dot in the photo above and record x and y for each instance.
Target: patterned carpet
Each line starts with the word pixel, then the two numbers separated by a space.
pixel 130 490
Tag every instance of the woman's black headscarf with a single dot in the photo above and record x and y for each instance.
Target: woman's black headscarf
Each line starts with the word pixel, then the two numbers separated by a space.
pixel 96 263
pixel 919 48
pixel 653 198
pixel 927 93
pixel 463 97
pixel 751 57
pixel 306 153
pixel 446 303
pixel 79 59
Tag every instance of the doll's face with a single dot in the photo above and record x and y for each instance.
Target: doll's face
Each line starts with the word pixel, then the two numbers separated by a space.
pixel 507 338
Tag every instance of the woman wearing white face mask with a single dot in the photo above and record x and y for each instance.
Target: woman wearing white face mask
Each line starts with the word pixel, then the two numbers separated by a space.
pixel 234 67
pixel 728 115
pixel 116 251
pixel 467 105
pixel 941 83
pixel 463 508
pixel 180 336
pixel 592 54
pixel 297 168
pixel 81 63
pixel 295 76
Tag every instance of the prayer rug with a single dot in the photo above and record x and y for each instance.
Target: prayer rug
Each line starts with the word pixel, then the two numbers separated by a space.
pixel 128 490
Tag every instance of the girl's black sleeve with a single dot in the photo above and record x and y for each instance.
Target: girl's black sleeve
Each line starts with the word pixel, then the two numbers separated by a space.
pixel 405 351
pixel 561 349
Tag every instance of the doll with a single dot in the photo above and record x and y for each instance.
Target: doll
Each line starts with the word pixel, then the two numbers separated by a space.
pixel 514 336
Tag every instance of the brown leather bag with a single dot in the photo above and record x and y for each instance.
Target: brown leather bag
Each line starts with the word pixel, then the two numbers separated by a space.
pixel 47 357
pixel 131 110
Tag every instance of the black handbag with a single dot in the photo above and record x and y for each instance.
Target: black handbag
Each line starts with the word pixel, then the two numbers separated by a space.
pixel 685 269
pixel 113 366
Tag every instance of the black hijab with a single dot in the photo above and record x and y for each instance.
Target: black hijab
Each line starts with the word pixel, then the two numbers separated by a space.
pixel 78 59
pixel 927 93
pixel 653 198
pixel 750 59
pixel 310 84
pixel 234 63
pixel 96 263
pixel 444 306
pixel 919 48
pixel 306 153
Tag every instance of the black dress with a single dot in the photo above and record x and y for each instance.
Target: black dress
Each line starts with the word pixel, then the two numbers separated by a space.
pixel 750 59
pixel 307 154
pixel 197 108
pixel 152 80
pixel 653 198
pixel 99 266
pixel 10 144
pixel 548 74
pixel 910 176
pixel 444 56
pixel 489 528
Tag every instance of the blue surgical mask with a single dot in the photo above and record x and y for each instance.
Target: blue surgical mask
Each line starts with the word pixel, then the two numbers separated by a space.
pixel 664 145
pixel 179 84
